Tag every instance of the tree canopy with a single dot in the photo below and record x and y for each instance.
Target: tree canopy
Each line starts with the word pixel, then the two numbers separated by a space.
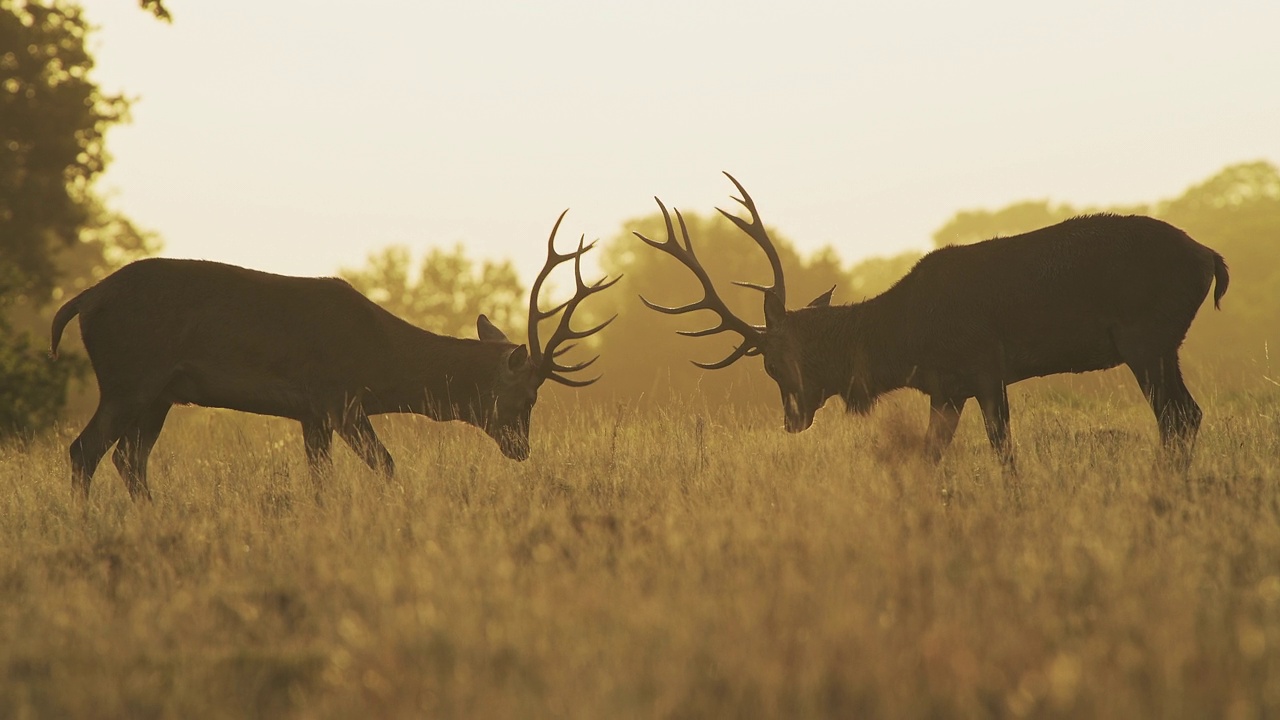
pixel 444 292
pixel 58 233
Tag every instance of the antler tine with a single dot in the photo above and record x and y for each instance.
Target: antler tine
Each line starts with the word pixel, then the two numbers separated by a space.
pixel 710 299
pixel 573 383
pixel 544 357
pixel 577 366
pixel 553 259
pixel 756 230
pixel 738 352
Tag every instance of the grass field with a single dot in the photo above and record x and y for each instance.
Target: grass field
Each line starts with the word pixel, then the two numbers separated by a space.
pixel 691 562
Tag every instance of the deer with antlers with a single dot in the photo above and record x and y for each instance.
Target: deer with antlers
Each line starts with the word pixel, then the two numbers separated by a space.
pixel 161 332
pixel 1089 293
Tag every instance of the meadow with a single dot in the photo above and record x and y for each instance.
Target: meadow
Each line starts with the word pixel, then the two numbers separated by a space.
pixel 689 561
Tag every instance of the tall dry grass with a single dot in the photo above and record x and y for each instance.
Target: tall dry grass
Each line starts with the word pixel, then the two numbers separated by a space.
pixel 693 562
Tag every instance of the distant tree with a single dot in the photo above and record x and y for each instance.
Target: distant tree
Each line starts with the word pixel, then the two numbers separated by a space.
pixel 32 389
pixel 873 276
pixel 52 123
pixel 445 292
pixel 58 234
pixel 157 8
pixel 971 226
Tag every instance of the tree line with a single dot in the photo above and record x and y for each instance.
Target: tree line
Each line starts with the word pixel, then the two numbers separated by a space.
pixel 59 236
pixel 1236 212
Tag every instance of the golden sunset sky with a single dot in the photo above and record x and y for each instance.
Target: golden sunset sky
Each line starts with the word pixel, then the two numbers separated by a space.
pixel 299 136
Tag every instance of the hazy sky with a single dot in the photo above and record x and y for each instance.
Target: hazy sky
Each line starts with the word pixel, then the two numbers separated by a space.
pixel 299 136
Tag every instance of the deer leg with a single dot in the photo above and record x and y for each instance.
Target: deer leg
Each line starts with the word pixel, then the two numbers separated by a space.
pixel 317 436
pixel 994 402
pixel 1181 420
pixel 86 451
pixel 358 432
pixel 1177 414
pixel 134 448
pixel 944 416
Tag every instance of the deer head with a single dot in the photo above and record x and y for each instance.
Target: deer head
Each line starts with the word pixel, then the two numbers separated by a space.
pixel 524 368
pixel 781 341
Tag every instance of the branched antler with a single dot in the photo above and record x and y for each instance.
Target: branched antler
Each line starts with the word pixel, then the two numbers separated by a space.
pixel 751 334
pixel 756 230
pixel 544 358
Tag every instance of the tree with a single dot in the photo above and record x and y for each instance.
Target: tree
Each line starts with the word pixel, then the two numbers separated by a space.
pixel 446 292
pixel 157 8
pixel 971 226
pixel 53 122
pixel 32 389
pixel 873 276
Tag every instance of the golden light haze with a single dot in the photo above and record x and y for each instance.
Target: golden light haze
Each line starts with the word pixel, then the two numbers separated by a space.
pixel 297 137
pixel 667 549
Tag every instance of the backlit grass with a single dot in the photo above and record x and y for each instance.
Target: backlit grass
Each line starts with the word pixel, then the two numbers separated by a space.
pixel 691 562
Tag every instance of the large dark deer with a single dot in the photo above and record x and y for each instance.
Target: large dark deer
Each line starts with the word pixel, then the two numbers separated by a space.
pixel 1086 294
pixel 162 332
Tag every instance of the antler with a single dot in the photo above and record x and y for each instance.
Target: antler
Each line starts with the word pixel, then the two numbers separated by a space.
pixel 751 334
pixel 544 358
pixel 756 230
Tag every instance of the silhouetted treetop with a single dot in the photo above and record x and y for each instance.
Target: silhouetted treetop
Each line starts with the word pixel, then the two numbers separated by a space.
pixel 57 234
pixel 445 292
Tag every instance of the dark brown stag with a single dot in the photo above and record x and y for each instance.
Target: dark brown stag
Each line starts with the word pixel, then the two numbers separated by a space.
pixel 163 332
pixel 1086 294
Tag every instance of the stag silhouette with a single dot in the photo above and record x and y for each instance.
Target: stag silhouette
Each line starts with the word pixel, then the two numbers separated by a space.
pixel 161 332
pixel 1089 293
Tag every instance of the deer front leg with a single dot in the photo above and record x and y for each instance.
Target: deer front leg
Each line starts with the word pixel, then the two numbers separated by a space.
pixel 944 417
pixel 994 401
pixel 317 437
pixel 358 432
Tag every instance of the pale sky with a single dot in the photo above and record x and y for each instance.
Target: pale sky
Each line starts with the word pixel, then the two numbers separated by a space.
pixel 298 136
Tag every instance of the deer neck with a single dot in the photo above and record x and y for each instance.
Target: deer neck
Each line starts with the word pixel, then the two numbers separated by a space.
pixel 865 347
pixel 442 377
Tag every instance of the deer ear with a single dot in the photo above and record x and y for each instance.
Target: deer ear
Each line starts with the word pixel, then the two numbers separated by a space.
pixel 486 330
pixel 774 311
pixel 823 300
pixel 517 358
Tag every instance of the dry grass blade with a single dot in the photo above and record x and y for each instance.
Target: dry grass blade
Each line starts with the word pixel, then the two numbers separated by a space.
pixel 619 573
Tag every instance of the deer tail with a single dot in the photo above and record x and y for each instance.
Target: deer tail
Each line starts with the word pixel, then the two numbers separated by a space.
pixel 69 310
pixel 1220 279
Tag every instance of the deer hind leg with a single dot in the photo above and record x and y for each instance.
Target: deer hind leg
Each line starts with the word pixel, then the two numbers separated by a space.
pixel 1177 413
pixel 134 448
pixel 944 417
pixel 104 429
pixel 358 432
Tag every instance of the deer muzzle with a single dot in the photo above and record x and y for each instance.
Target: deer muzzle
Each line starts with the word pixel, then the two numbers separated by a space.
pixel 796 417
